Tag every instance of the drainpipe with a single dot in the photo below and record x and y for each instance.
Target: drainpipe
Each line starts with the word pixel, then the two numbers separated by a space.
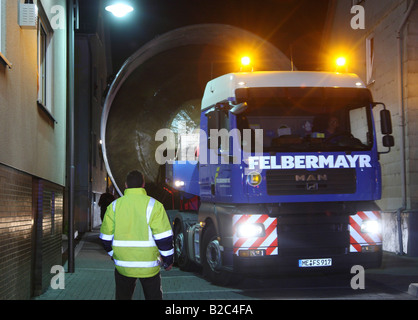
pixel 72 7
pixel 403 124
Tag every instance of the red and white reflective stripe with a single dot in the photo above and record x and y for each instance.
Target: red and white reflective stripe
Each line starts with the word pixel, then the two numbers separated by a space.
pixel 268 242
pixel 359 239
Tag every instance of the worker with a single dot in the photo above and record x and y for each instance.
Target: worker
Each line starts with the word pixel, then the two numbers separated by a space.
pixel 105 200
pixel 332 128
pixel 137 234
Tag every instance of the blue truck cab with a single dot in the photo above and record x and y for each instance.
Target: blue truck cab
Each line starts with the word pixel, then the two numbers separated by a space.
pixel 287 176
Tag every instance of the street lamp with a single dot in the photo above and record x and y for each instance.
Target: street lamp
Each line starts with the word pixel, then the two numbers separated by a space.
pixel 119 9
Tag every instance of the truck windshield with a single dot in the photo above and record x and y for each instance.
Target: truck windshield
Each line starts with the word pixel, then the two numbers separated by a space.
pixel 308 119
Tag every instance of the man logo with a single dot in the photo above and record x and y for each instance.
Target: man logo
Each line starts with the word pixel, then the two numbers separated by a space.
pixel 312 186
pixel 311 178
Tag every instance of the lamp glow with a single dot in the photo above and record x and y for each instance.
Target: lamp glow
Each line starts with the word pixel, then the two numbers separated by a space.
pixel 120 9
pixel 179 183
pixel 245 61
pixel 341 61
pixel 371 226
pixel 250 230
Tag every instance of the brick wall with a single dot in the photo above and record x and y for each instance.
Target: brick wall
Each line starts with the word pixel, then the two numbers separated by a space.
pixel 15 234
pixel 48 201
pixel 31 217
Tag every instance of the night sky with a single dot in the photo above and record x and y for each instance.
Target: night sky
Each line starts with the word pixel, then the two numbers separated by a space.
pixel 296 24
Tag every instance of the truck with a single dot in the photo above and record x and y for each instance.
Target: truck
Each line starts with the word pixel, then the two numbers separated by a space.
pixel 285 178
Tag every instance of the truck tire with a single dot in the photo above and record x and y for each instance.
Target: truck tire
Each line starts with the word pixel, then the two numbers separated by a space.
pixel 181 257
pixel 212 260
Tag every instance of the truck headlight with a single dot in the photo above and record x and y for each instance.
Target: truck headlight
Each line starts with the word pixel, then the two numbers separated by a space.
pixel 250 230
pixel 371 226
pixel 179 183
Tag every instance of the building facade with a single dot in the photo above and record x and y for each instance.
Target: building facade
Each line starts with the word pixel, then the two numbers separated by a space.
pixel 380 40
pixel 33 124
pixel 92 71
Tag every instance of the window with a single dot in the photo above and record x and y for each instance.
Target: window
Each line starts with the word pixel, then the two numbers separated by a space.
pixel 369 59
pixel 3 59
pixel 309 119
pixel 42 70
pixel 44 62
pixel 43 43
pixel 1 25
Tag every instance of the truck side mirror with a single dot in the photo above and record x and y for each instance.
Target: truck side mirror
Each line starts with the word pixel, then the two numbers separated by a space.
pixel 238 108
pixel 217 120
pixel 388 141
pixel 386 128
pixel 385 122
pixel 213 123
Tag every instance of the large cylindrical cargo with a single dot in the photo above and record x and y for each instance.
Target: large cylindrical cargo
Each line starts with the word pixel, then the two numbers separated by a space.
pixel 161 86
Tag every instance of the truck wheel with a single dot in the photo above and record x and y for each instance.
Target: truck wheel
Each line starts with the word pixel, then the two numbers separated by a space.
pixel 180 248
pixel 212 260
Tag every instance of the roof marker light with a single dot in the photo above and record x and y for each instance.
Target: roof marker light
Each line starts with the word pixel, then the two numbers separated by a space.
pixel 341 61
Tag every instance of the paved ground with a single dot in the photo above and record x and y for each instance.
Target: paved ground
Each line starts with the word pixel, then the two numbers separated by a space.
pixel 94 280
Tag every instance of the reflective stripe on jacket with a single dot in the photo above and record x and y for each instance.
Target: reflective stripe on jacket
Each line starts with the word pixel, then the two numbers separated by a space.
pixel 139 231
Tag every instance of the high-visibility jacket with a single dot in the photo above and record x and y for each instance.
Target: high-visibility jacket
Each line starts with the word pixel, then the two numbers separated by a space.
pixel 138 229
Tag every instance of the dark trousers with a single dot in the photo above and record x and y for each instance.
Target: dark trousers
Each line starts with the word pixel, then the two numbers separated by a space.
pixel 125 287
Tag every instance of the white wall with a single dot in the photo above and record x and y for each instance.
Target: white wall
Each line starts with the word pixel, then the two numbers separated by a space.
pixel 29 141
pixel 383 19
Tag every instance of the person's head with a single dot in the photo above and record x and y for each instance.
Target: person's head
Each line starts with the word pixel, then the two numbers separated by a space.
pixel 135 179
pixel 332 124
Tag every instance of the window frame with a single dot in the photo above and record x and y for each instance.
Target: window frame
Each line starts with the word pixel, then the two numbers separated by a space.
pixel 370 57
pixel 3 58
pixel 44 62
pixel 1 26
pixel 42 65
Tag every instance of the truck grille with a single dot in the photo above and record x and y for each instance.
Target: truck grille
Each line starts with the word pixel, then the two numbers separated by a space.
pixel 303 182
pixel 313 235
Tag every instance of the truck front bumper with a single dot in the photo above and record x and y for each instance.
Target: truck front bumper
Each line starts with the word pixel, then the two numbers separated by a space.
pixel 276 265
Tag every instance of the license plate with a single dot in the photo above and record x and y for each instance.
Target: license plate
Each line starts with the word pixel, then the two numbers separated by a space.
pixel 311 263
